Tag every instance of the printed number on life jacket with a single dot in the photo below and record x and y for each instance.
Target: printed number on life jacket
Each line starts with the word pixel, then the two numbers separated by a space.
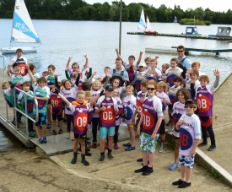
pixel 203 104
pixel 81 121
pixel 107 115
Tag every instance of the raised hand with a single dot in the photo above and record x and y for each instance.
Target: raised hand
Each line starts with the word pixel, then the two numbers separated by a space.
pixel 216 73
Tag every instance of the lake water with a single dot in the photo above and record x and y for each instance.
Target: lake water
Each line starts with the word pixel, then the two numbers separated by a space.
pixel 61 39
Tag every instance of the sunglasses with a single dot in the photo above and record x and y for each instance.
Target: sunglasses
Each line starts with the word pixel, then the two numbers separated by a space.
pixel 151 89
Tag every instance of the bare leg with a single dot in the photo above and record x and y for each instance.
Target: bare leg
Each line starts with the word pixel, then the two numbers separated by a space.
pixel 102 144
pixel 182 172
pixel 145 158
pixel 188 172
pixel 132 133
pixel 150 159
pixel 38 131
pixel 110 144
pixel 177 143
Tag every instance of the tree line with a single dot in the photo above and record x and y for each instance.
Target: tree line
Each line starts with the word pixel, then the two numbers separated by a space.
pixel 81 10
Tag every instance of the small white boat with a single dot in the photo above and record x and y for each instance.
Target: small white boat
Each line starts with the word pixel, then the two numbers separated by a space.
pixel 23 30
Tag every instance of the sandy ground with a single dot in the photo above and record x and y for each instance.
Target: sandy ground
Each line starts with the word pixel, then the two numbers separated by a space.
pixel 25 171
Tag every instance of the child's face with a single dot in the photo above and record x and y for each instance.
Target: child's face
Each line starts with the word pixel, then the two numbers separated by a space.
pixel 148 62
pixel 160 89
pixel 203 82
pixel 129 91
pixel 16 71
pixel 116 83
pixel 143 89
pixel 75 68
pixel 42 84
pixel 193 77
pixel 108 93
pixel 131 60
pixel 164 68
pixel 26 88
pixel 116 93
pixel 96 86
pixel 177 83
pixel 107 71
pixel 196 67
pixel 181 97
pixel 151 90
pixel 45 74
pixel 190 109
pixel 153 64
pixel 50 71
pixel 67 85
pixel 173 64
pixel 142 69
pixel 118 64
pixel 80 98
pixel 7 85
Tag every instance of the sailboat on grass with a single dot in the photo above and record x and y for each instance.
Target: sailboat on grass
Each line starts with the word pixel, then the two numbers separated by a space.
pixel 144 24
pixel 23 30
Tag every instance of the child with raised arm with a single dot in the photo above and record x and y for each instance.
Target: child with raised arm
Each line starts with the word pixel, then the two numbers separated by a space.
pixel 107 108
pixel 190 135
pixel 42 94
pixel 80 110
pixel 204 97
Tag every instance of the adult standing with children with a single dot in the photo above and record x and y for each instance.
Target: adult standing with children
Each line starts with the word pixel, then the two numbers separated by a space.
pixel 20 61
pixel 184 61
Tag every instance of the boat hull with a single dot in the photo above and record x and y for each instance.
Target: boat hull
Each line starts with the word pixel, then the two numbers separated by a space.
pixel 12 50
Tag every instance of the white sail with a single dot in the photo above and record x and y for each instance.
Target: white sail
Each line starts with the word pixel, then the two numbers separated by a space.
pixel 142 22
pixel 148 25
pixel 23 29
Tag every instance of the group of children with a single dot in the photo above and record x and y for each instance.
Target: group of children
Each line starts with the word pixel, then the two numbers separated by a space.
pixel 103 103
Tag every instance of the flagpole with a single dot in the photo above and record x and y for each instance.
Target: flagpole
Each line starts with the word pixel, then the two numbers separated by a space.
pixel 120 28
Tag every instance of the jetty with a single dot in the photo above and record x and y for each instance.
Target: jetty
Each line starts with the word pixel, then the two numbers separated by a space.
pixel 188 51
pixel 223 34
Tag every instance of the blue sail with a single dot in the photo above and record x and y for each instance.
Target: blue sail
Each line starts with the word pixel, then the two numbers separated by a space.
pixel 21 26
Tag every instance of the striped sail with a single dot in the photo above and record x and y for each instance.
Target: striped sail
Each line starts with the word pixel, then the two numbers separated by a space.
pixel 142 22
pixel 23 29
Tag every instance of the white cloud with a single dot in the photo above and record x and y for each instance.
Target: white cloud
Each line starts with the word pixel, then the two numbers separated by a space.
pixel 215 5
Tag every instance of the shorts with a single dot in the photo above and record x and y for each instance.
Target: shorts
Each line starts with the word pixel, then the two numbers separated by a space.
pixel 162 127
pixel 186 161
pixel 147 144
pixel 104 131
pixel 77 136
pixel 41 119
pixel 56 116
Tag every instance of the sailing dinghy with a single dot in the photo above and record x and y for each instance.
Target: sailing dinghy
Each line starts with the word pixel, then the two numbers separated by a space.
pixel 23 30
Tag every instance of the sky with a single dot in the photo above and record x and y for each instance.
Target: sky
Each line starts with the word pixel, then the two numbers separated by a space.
pixel 214 5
